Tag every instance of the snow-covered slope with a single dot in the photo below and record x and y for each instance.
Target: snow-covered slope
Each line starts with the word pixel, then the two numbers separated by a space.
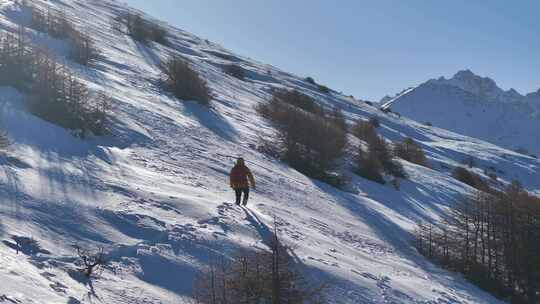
pixel 475 106
pixel 155 192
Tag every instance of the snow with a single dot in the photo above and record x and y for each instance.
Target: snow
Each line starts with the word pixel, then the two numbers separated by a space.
pixel 155 195
pixel 476 107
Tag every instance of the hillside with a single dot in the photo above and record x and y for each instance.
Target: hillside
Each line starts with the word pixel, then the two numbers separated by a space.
pixel 475 106
pixel 154 192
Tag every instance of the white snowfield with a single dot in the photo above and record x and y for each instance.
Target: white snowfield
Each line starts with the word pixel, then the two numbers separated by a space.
pixel 475 106
pixel 155 192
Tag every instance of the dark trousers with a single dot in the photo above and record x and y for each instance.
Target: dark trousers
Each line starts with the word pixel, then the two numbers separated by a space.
pixel 239 192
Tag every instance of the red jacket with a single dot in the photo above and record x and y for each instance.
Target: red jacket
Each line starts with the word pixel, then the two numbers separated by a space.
pixel 239 177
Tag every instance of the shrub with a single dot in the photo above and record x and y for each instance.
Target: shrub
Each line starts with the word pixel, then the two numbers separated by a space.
pixel 52 22
pixel 184 82
pixel 323 89
pixel 258 277
pixel 16 53
pixel 470 162
pixel 411 151
pixel 491 172
pixel 338 119
pixel 368 166
pixel 56 94
pixel 364 130
pixel 82 48
pixel 25 245
pixel 378 147
pixel 310 142
pixel 140 29
pixel 4 141
pixel 396 183
pixel 91 261
pixel 299 100
pixel 235 71
pixel 320 87
pixel 374 121
pixel 470 178
pixel 56 23
pixel 394 168
pixel 59 97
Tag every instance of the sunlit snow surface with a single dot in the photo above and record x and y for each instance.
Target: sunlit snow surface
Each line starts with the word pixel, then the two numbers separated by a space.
pixel 155 192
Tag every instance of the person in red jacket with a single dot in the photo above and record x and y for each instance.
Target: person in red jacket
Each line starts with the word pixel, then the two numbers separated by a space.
pixel 240 174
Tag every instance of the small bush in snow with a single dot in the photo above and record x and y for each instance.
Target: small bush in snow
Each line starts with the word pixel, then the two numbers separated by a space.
pixel 364 130
pixel 91 261
pixel 310 80
pixel 73 107
pixel 298 100
pixel 141 29
pixel 470 178
pixel 378 148
pixel 374 121
pixel 4 141
pixel 367 165
pixel 26 245
pixel 184 82
pixel 309 141
pixel 411 151
pixel 470 162
pixel 320 87
pixel 394 168
pixel 323 89
pixel 235 71
pixel 57 24
pixel 52 22
pixel 258 277
pixel 337 118
pixel 82 48
pixel 56 94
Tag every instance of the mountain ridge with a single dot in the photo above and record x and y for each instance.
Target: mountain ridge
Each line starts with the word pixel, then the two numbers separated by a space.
pixel 484 87
pixel 475 106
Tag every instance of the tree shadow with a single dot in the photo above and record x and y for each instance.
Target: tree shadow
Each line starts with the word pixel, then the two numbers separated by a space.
pixel 211 120
pixel 315 278
pixel 266 234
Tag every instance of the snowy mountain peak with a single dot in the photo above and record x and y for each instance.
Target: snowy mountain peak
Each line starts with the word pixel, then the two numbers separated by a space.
pixel 474 106
pixel 483 87
pixel 467 75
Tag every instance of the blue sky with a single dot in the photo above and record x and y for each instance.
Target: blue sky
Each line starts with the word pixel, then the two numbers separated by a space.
pixel 372 48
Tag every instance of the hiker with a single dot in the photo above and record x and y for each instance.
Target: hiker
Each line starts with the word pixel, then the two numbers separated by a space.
pixel 239 181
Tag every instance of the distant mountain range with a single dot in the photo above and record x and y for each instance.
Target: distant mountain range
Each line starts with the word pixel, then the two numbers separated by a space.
pixel 475 106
